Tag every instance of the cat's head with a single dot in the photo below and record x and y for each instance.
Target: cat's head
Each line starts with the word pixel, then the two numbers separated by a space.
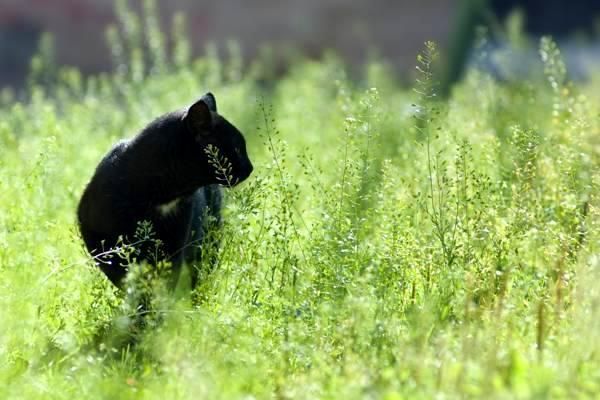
pixel 221 144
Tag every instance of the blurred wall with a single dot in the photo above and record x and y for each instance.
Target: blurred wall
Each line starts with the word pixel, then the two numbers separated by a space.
pixel 397 28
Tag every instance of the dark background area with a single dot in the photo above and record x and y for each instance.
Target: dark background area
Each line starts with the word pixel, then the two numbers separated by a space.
pixel 393 29
pixel 352 28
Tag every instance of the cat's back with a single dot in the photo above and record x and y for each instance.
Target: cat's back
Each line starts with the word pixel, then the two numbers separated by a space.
pixel 97 191
pixel 111 160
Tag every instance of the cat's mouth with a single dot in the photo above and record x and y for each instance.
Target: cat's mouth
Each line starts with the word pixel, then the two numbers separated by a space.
pixel 230 176
pixel 239 178
pixel 247 172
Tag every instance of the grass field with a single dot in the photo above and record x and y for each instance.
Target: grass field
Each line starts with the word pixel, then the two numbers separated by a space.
pixel 389 244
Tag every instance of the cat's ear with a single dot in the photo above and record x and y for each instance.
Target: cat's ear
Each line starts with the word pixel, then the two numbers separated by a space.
pixel 198 116
pixel 210 101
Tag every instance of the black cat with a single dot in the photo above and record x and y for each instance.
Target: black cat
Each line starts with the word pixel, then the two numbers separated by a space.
pixel 168 175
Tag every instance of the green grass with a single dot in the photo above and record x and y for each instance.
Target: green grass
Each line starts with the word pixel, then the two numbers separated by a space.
pixel 389 244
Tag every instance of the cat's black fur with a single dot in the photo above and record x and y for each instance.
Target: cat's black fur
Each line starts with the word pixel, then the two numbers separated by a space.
pixel 164 176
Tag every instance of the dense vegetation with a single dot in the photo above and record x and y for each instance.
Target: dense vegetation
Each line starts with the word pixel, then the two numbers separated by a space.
pixel 390 244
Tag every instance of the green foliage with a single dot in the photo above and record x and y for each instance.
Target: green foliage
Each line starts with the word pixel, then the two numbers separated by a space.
pixel 379 250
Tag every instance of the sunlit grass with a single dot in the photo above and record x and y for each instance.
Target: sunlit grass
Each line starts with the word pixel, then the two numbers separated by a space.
pixel 389 244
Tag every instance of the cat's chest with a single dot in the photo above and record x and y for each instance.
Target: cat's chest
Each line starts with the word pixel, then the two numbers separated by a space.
pixel 172 217
pixel 169 209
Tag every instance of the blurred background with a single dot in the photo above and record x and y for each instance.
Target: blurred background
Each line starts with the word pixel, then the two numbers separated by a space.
pixel 393 30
